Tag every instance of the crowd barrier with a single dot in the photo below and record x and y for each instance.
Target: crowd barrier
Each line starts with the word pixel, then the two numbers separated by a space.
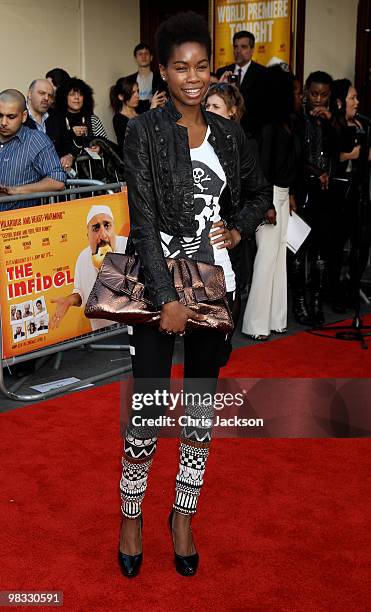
pixel 37 263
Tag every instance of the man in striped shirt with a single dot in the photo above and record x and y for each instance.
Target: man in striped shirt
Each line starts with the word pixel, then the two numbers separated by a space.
pixel 28 160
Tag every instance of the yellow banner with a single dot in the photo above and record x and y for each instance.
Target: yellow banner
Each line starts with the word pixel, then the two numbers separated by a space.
pixel 46 256
pixel 269 21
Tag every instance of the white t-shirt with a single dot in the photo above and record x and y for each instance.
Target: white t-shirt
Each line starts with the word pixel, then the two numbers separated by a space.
pixel 145 86
pixel 86 274
pixel 209 181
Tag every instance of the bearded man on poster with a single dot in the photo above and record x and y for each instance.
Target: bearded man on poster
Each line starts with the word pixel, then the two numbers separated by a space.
pixel 102 239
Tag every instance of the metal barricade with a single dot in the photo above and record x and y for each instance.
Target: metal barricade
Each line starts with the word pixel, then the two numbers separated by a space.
pixel 76 188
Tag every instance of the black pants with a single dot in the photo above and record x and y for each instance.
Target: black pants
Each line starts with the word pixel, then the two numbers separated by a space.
pixel 318 212
pixel 154 353
pixel 352 221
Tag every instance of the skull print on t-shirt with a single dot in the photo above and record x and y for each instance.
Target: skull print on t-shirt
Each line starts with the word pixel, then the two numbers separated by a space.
pixel 208 183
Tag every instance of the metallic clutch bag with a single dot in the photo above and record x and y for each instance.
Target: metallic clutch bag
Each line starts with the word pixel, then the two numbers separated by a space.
pixel 119 293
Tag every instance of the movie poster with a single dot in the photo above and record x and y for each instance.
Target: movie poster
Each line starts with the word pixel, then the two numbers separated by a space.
pixel 269 21
pixel 47 254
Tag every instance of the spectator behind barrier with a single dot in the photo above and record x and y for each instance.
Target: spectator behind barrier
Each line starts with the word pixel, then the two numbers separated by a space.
pixel 28 160
pixel 151 86
pixel 40 98
pixel 75 106
pixel 124 96
pixel 225 99
pixel 57 76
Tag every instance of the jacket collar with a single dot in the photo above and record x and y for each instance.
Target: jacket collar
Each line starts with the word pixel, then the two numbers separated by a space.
pixel 210 118
pixel 171 109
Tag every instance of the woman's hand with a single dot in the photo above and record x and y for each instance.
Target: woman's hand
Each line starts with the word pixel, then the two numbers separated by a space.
pixel 223 237
pixel 159 99
pixel 271 216
pixel 321 111
pixel 292 204
pixel 324 180
pixel 80 130
pixel 174 317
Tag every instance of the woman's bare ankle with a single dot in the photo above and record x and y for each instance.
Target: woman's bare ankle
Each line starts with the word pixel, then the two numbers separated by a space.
pixel 182 534
pixel 131 536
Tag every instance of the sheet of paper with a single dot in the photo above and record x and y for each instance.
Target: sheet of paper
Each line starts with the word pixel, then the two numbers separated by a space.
pixel 297 231
pixel 56 384
pixel 93 154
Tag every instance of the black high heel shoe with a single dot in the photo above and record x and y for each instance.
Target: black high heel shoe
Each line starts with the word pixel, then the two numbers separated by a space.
pixel 130 564
pixel 186 566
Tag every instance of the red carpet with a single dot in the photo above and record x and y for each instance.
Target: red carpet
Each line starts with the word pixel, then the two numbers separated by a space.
pixel 283 524
pixel 301 356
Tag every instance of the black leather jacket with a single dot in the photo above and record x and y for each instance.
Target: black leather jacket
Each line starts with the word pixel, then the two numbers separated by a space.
pixel 160 187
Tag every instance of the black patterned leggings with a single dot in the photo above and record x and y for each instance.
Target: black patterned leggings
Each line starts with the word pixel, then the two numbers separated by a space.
pixel 152 353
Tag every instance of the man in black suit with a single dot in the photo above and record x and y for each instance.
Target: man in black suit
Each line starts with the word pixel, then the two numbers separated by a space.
pixel 150 83
pixel 251 78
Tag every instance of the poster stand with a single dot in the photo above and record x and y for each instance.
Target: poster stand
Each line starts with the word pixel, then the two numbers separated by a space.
pixel 86 187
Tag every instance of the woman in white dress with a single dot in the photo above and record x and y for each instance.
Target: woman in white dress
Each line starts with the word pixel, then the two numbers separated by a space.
pixel 280 154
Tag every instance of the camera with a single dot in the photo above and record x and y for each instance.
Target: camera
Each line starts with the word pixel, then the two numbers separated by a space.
pixel 233 78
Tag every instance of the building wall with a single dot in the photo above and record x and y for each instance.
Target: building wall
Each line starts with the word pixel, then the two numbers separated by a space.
pixel 112 29
pixel 92 39
pixel 36 36
pixel 330 37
